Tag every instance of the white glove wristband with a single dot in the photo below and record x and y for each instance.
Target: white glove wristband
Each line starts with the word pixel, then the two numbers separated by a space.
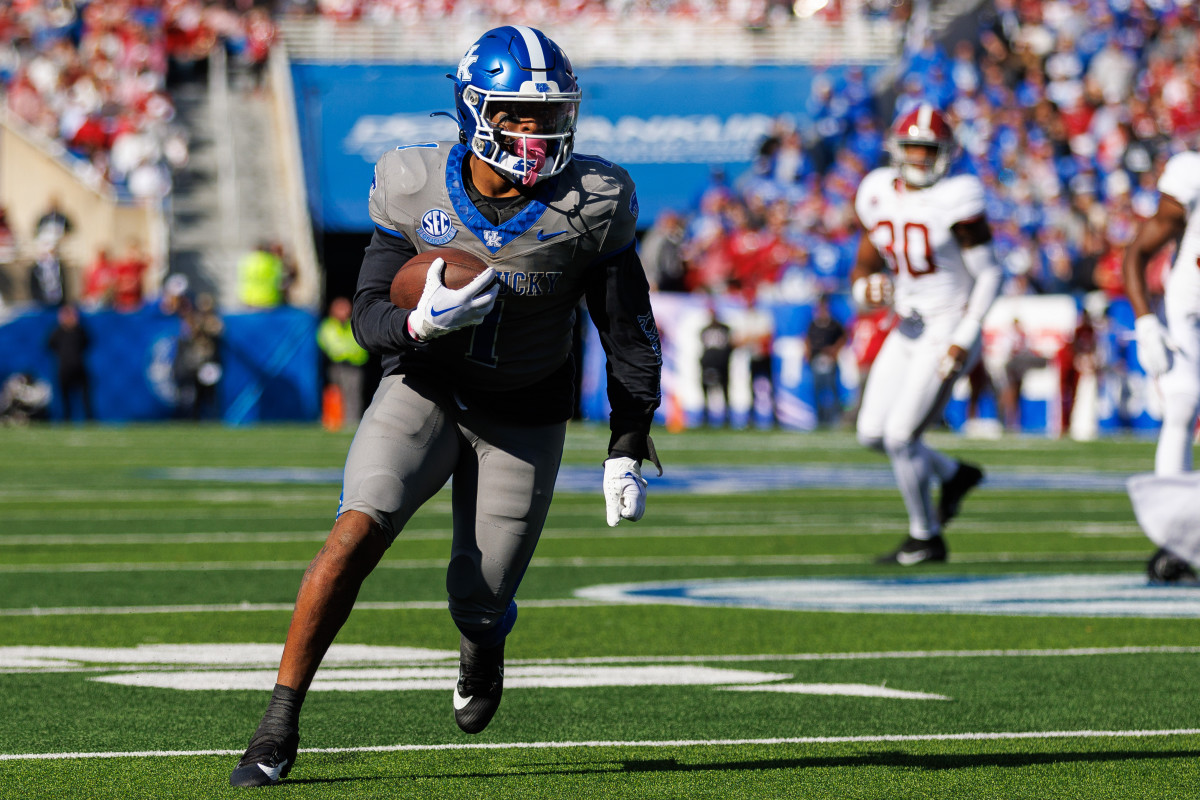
pixel 1153 345
pixel 441 309
pixel 624 490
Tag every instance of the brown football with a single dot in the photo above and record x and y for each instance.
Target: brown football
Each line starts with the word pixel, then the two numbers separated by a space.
pixel 461 269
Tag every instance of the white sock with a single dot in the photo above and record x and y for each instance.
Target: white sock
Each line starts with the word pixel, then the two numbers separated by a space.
pixel 914 477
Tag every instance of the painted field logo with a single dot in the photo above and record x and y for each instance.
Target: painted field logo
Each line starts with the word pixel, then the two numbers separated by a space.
pixel 1119 595
pixel 371 668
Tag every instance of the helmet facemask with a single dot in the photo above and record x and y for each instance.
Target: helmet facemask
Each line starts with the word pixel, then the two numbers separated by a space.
pixel 921 163
pixel 502 137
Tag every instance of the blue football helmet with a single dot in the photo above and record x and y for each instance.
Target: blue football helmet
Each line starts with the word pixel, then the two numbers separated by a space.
pixel 516 73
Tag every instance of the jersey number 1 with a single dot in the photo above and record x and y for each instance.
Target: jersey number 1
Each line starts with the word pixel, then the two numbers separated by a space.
pixel 482 349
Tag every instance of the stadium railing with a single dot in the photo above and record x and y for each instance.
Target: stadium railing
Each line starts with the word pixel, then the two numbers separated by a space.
pixel 857 39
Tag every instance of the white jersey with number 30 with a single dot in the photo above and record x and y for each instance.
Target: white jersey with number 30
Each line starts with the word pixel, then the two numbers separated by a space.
pixel 911 230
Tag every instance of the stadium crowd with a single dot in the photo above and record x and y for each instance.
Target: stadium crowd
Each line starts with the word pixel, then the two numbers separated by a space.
pixel 1066 110
pixel 94 77
pixel 547 13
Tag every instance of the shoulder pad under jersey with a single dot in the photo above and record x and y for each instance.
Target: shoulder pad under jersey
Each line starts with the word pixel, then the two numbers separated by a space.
pixel 1181 179
pixel 960 196
pixel 877 181
pixel 605 195
pixel 404 172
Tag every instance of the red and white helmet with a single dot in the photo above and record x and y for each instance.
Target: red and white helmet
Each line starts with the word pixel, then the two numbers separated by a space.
pixel 926 126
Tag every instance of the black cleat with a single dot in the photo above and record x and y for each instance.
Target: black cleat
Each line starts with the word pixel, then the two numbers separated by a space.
pixel 267 760
pixel 914 551
pixel 1166 568
pixel 480 683
pixel 966 478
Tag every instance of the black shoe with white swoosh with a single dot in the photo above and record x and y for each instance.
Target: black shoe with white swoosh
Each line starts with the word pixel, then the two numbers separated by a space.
pixel 480 684
pixel 966 478
pixel 914 551
pixel 267 760
pixel 1166 569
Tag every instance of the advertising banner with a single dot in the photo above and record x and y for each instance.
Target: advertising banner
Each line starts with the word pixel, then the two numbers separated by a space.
pixel 670 126
pixel 1114 397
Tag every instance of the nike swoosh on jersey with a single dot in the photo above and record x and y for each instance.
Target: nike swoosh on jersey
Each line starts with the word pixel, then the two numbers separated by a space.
pixel 460 702
pixel 543 236
pixel 433 312
pixel 273 772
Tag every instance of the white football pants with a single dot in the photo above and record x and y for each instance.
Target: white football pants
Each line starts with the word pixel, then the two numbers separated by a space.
pixel 903 395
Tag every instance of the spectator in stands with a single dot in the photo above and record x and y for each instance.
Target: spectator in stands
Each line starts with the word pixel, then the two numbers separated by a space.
pixel 261 278
pixel 48 277
pixel 53 225
pixel 290 272
pixel 346 361
pixel 822 346
pixel 1078 364
pixel 129 274
pixel 100 280
pixel 757 335
pixel 662 253
pixel 69 343
pixel 197 366
pixel 716 349
pixel 8 240
pixel 260 36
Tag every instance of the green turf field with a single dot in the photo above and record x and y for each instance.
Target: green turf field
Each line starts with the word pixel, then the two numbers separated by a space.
pixel 738 642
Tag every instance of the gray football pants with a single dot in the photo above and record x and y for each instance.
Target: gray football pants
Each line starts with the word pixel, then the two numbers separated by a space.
pixel 412 439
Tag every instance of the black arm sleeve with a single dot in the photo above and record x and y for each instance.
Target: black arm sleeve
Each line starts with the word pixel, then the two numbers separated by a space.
pixel 618 299
pixel 379 326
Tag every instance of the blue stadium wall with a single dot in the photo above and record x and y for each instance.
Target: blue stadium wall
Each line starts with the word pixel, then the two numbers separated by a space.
pixel 669 126
pixel 269 361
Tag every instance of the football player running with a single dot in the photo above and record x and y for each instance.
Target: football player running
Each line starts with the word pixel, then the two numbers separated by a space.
pixel 478 382
pixel 1170 356
pixel 926 251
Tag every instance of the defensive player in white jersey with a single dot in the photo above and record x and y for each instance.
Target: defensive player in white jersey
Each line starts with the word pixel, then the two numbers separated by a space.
pixel 478 382
pixel 926 250
pixel 1170 356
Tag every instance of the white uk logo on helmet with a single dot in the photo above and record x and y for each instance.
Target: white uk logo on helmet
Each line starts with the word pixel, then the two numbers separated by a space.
pixel 464 66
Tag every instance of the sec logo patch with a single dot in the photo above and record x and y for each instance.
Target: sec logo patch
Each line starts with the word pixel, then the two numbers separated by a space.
pixel 436 227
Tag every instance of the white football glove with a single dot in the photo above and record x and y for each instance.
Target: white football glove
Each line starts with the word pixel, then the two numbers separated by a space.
pixel 441 309
pixel 624 490
pixel 1154 345
pixel 873 291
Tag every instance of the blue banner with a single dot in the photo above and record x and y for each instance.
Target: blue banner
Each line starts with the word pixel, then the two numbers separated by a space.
pixel 269 362
pixel 669 126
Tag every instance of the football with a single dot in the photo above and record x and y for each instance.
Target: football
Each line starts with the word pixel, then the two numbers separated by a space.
pixel 461 269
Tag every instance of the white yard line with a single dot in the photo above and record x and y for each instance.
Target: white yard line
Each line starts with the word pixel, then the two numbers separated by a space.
pixel 120 663
pixel 218 608
pixel 884 738
pixel 746 527
pixel 583 562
